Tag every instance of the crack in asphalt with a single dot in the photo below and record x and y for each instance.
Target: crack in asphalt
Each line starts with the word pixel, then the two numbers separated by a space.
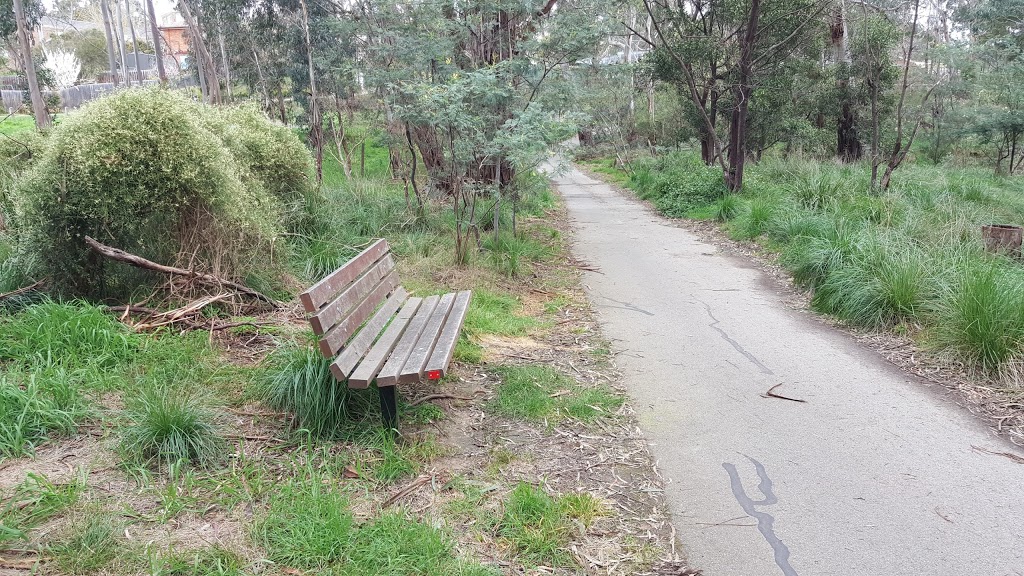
pixel 625 306
pixel 736 345
pixel 765 521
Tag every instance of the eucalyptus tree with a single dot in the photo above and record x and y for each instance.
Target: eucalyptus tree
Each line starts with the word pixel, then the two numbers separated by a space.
pixel 721 51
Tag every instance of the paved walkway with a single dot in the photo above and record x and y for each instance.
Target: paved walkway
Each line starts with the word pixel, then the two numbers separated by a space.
pixel 874 475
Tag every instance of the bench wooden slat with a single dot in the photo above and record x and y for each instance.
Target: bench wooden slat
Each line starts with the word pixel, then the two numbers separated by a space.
pixel 445 346
pixel 336 337
pixel 413 368
pixel 373 361
pixel 335 311
pixel 389 373
pixel 324 290
pixel 349 357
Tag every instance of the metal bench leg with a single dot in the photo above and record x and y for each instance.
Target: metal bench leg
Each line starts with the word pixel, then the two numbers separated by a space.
pixel 388 406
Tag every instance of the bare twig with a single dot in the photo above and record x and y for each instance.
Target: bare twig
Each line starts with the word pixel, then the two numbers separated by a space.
pixel 430 397
pixel 412 487
pixel 771 394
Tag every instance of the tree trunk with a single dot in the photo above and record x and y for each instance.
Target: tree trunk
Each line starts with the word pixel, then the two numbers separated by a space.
pixel 224 61
pixel 122 45
pixel 202 53
pixel 38 106
pixel 737 154
pixel 157 43
pixel 135 41
pixel 848 147
pixel 316 125
pixel 108 32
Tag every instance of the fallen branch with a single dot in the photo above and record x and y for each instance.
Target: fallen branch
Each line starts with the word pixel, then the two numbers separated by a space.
pixel 771 394
pixel 208 279
pixel 21 291
pixel 176 317
pixel 1014 457
pixel 430 397
pixel 415 484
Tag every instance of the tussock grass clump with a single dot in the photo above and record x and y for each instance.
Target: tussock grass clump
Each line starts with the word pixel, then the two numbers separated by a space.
pixel 754 219
pixel 509 252
pixel 811 258
pixel 167 426
pixel 879 287
pixel 727 208
pixel 982 314
pixel 299 381
pixel 540 393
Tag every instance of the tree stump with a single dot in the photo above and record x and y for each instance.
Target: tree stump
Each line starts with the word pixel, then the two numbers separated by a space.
pixel 1003 238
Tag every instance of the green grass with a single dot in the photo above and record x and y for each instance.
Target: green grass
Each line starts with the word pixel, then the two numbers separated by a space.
pixel 309 526
pixel 92 545
pixel 542 393
pixel 70 334
pixel 494 313
pixel 33 502
pixel 17 123
pixel 537 525
pixel 509 254
pixel 36 407
pixel 166 426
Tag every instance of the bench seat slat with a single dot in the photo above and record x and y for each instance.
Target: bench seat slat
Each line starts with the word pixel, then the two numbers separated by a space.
pixel 377 355
pixel 336 337
pixel 413 368
pixel 349 357
pixel 441 357
pixel 323 291
pixel 389 373
pixel 335 311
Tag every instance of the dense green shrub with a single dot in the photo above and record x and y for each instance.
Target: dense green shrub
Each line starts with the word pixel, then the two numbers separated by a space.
pixel 154 173
pixel 678 184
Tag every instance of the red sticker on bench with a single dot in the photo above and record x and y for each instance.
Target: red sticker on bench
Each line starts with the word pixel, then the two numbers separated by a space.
pixel 434 375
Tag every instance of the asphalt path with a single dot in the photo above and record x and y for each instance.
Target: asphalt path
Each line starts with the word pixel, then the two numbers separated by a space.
pixel 875 473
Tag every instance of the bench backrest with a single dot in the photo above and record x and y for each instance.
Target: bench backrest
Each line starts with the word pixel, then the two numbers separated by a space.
pixel 340 303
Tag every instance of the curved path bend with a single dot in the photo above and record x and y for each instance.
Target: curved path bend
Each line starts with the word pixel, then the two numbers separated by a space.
pixel 875 474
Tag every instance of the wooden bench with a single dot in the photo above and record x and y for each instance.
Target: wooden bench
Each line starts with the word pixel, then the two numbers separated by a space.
pixel 375 332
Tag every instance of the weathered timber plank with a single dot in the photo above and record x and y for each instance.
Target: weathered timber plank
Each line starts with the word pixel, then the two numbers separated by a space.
pixel 322 292
pixel 388 375
pixel 336 337
pixel 445 346
pixel 349 357
pixel 412 371
pixel 377 355
pixel 335 311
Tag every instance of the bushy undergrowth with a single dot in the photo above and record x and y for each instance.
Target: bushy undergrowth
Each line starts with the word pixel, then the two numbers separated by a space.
pixel 677 184
pixel 154 173
pixel 910 258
